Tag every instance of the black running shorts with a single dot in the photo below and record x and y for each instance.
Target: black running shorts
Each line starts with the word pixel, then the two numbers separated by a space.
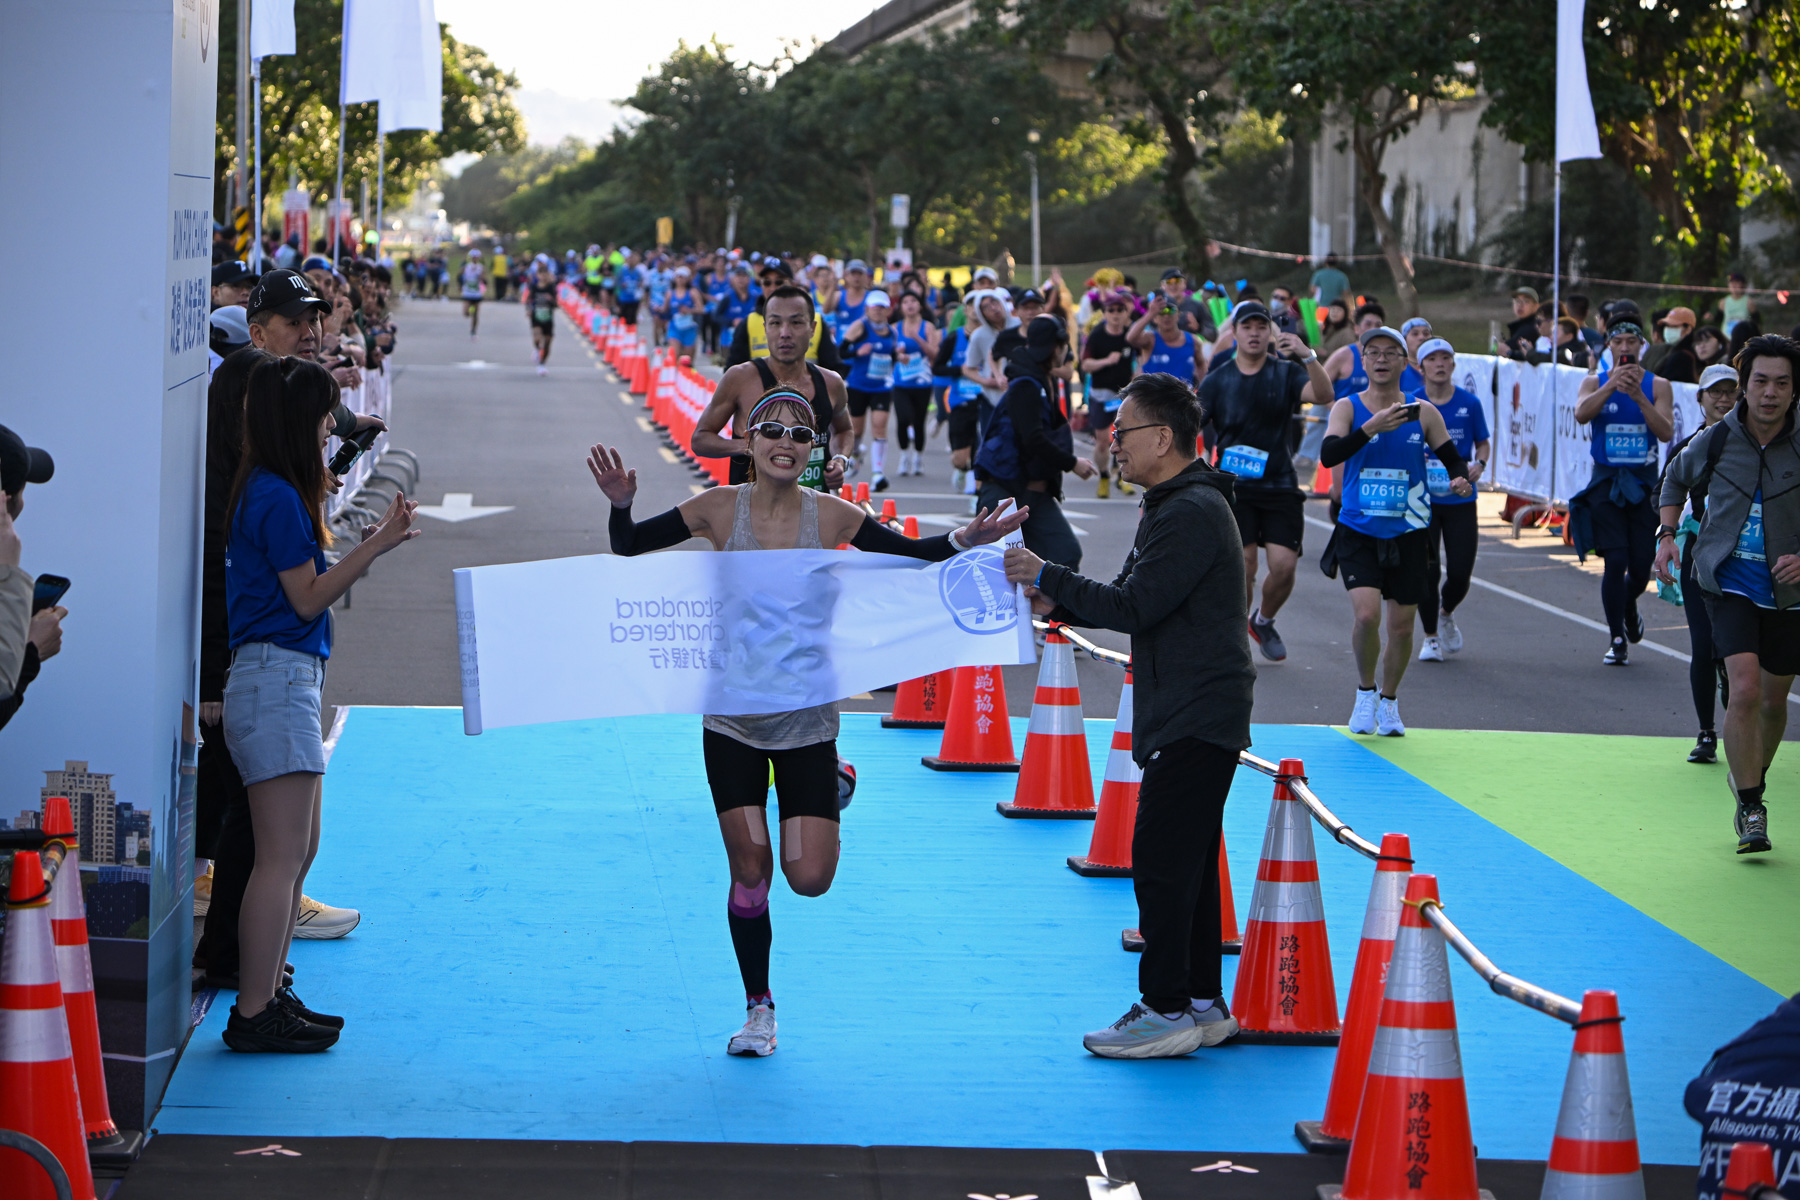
pixel 1270 516
pixel 806 777
pixel 1399 566
pixel 862 403
pixel 1740 626
pixel 965 425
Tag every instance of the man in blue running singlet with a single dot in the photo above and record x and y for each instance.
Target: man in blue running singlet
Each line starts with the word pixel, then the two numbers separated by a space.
pixel 1380 544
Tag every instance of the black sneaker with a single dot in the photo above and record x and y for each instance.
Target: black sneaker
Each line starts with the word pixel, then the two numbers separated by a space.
pixel 1618 654
pixel 1706 748
pixel 1268 641
pixel 1752 824
pixel 294 1005
pixel 1634 625
pixel 277 1029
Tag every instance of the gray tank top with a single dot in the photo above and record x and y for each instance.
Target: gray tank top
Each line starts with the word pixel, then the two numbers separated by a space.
pixel 803 726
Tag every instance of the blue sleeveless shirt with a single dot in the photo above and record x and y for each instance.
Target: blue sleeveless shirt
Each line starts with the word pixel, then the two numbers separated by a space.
pixel 874 371
pixel 1620 437
pixel 1385 493
pixel 1175 360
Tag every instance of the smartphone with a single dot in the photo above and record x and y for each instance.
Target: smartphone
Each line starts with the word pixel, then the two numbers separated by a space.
pixel 49 591
pixel 1409 412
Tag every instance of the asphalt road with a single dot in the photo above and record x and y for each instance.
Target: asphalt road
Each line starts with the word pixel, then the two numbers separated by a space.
pixel 482 422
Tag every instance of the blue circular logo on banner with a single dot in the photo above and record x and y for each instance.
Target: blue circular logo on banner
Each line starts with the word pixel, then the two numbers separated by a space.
pixel 976 594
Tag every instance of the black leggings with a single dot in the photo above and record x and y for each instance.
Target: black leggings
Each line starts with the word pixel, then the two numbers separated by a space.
pixel 1175 871
pixel 1627 575
pixel 910 408
pixel 1703 671
pixel 1455 524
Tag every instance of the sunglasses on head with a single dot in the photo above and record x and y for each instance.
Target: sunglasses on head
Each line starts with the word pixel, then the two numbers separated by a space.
pixel 802 435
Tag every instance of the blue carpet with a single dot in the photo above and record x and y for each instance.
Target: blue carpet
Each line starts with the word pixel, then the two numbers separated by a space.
pixel 544 955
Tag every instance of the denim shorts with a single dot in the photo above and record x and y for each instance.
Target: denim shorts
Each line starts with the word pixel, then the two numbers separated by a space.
pixel 272 712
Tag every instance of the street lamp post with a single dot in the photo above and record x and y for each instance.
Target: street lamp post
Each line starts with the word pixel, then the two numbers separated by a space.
pixel 1037 264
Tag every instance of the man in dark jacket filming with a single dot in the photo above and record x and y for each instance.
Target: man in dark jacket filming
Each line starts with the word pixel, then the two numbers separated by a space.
pixel 1181 598
pixel 1027 445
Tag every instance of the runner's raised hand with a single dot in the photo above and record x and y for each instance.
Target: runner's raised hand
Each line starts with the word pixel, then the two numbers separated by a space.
pixel 619 484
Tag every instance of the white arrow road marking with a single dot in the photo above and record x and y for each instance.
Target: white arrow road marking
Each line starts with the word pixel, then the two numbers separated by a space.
pixel 475 364
pixel 460 506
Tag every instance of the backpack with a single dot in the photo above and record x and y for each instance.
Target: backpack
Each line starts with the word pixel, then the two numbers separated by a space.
pixel 998 455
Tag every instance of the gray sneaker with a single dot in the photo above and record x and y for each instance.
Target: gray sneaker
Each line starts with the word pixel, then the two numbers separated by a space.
pixel 1752 825
pixel 1141 1033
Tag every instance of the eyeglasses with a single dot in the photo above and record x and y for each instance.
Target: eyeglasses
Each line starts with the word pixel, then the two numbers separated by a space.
pixel 1118 433
pixel 1383 355
pixel 802 435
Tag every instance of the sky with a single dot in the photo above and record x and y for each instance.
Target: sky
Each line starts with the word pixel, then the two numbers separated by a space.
pixel 577 59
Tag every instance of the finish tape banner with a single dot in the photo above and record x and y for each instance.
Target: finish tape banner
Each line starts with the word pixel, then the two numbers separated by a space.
pixel 570 639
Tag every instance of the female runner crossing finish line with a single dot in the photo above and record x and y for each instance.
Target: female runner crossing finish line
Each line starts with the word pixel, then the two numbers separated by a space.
pixel 773 512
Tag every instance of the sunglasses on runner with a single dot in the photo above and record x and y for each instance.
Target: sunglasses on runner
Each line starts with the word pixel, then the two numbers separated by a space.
pixel 802 435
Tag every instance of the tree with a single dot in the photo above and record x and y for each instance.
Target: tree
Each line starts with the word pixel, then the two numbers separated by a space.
pixel 479 194
pixel 1680 92
pixel 1159 75
pixel 1376 67
pixel 300 114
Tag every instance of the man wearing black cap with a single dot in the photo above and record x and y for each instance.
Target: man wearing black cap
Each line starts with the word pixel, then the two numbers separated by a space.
pixel 26 638
pixel 287 317
pixel 1028 445
pixel 231 283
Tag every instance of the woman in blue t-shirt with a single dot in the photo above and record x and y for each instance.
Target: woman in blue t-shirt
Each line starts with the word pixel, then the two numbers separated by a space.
pixel 278 594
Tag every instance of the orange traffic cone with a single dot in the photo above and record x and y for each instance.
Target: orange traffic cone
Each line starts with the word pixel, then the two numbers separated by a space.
pixel 1229 941
pixel 1381 920
pixel 1595 1153
pixel 1284 989
pixel 1109 849
pixel 1412 1133
pixel 1322 481
pixel 68 923
pixel 640 374
pixel 911 527
pixel 977 735
pixel 1752 1163
pixel 1056 779
pixel 862 493
pixel 847 494
pixel 918 704
pixel 889 511
pixel 38 1093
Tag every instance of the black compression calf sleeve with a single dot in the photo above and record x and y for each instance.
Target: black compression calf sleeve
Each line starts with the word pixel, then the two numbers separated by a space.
pixel 658 533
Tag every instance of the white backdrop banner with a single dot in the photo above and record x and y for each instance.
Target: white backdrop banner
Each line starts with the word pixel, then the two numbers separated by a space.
pixel 694 632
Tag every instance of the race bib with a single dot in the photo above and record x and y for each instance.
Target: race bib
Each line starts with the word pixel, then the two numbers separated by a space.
pixel 1381 491
pixel 881 367
pixel 543 314
pixel 684 321
pixel 1750 538
pixel 1246 462
pixel 814 474
pixel 966 389
pixel 1627 444
pixel 915 371
pixel 1437 477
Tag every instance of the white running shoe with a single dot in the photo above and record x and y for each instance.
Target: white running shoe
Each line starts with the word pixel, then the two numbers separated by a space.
pixel 542 369
pixel 1387 718
pixel 1448 633
pixel 757 1037
pixel 1141 1033
pixel 1431 651
pixel 321 922
pixel 1362 717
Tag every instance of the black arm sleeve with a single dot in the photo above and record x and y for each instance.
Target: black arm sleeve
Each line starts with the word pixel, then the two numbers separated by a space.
pixel 658 533
pixel 1452 459
pixel 1339 449
pixel 343 421
pixel 873 537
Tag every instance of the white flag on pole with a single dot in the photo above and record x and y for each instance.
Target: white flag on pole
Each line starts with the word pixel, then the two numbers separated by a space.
pixel 603 636
pixel 271 27
pixel 371 45
pixel 1576 134
pixel 416 100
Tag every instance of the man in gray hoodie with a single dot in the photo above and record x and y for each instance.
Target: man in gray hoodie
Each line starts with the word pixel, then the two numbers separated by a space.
pixel 1747 562
pixel 1181 597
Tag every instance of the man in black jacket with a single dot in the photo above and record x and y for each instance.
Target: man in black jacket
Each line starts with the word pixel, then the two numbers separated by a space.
pixel 1027 446
pixel 1181 598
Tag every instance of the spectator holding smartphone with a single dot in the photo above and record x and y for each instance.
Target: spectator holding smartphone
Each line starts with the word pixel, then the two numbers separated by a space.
pixel 26 637
pixel 278 595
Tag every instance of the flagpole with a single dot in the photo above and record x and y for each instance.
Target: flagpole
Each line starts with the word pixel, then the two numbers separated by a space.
pixel 256 189
pixel 380 169
pixel 337 206
pixel 1555 313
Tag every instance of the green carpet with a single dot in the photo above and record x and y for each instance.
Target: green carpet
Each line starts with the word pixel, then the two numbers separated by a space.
pixel 1632 815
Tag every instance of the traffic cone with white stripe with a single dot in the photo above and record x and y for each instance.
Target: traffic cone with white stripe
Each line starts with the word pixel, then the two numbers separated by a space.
pixel 919 703
pixel 1412 1133
pixel 1751 1164
pixel 74 966
pixel 1230 942
pixel 977 733
pixel 1595 1153
pixel 1285 991
pixel 1381 921
pixel 1109 849
pixel 1056 779
pixel 38 1093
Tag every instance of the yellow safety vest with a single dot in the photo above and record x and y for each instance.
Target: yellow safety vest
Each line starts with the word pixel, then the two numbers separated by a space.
pixel 594 263
pixel 759 340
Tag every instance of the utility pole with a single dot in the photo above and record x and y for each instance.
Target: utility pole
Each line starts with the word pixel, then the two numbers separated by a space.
pixel 1037 255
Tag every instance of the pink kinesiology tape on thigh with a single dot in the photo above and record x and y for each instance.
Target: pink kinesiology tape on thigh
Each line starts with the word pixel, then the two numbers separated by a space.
pixel 748 902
